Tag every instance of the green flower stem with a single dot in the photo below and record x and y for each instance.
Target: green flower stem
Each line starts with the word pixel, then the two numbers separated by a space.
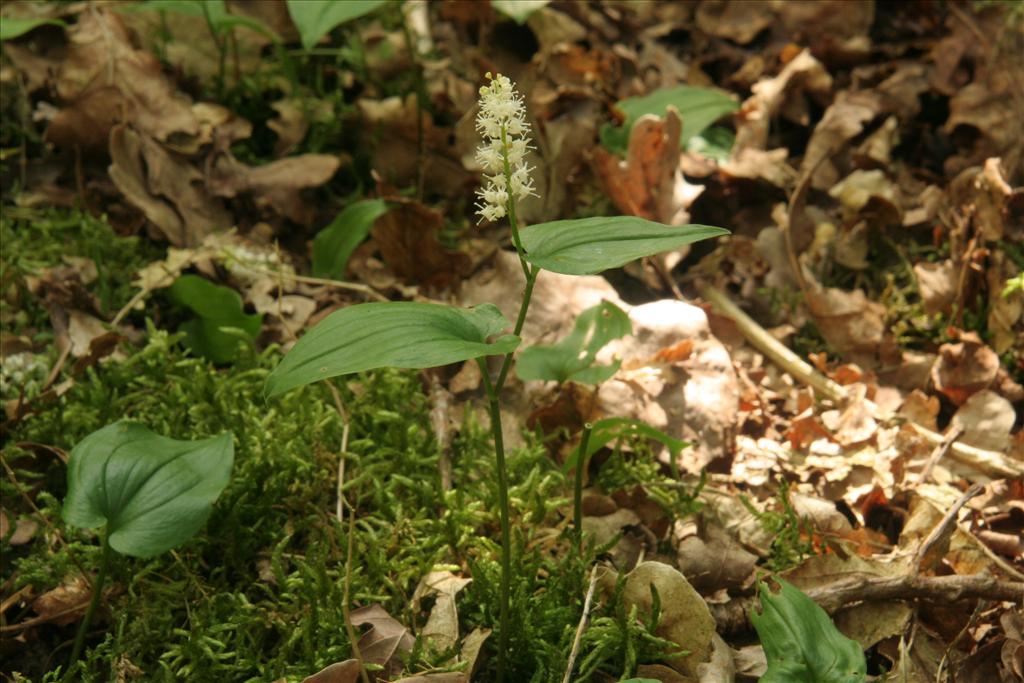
pixel 503 513
pixel 577 498
pixel 97 593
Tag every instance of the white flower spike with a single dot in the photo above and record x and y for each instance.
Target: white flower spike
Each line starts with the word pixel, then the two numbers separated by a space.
pixel 502 123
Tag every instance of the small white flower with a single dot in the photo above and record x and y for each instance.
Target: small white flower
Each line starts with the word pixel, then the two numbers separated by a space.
pixel 502 123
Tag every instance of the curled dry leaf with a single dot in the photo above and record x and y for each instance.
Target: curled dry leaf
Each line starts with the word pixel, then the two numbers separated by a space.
pixel 66 603
pixel 648 183
pixel 964 368
pixel 276 185
pixel 803 74
pixel 102 59
pixel 386 637
pixel 441 632
pixel 843 120
pixel 937 284
pixel 165 187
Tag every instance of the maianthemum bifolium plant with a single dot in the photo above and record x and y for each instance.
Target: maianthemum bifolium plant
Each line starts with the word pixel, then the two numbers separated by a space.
pixel 423 335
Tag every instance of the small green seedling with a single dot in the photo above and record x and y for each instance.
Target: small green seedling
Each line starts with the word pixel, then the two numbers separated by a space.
pixel 572 358
pixel 333 245
pixel 801 643
pixel 221 321
pixel 420 335
pixel 149 492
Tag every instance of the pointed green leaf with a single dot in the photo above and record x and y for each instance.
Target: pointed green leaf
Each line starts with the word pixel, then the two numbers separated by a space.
pixel 614 428
pixel 14 28
pixel 403 334
pixel 698 108
pixel 222 322
pixel 801 643
pixel 333 245
pixel 316 18
pixel 572 358
pixel 587 246
pixel 153 493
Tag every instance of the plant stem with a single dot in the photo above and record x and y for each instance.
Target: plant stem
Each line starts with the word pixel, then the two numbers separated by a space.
pixel 97 593
pixel 577 498
pixel 503 514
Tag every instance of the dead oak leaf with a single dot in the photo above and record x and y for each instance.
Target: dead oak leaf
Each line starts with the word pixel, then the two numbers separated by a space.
pixel 165 187
pixel 276 185
pixel 408 239
pixel 101 56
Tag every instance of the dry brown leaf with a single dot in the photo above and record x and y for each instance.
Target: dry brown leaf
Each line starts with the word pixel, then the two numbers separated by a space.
pixel 165 187
pixel 386 637
pixel 408 239
pixel 648 182
pixel 937 284
pixel 685 619
pixel 714 562
pixel 276 185
pixel 803 74
pixel 986 419
pixel 853 325
pixel 66 603
pixel 843 120
pixel 339 672
pixel 101 57
pixel 290 125
pixel 441 632
pixel 736 21
pixel 964 368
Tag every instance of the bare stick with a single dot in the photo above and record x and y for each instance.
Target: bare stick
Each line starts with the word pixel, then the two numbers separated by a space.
pixel 732 616
pixel 581 627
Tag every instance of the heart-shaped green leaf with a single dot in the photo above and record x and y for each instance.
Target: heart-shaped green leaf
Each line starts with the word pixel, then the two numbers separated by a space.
pixel 333 245
pixel 572 358
pixel 153 493
pixel 801 643
pixel 222 322
pixel 403 334
pixel 698 108
pixel 316 18
pixel 586 246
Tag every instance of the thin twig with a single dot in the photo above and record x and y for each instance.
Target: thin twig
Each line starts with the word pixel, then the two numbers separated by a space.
pixel 732 616
pixel 944 529
pixel 940 452
pixel 309 280
pixel 582 626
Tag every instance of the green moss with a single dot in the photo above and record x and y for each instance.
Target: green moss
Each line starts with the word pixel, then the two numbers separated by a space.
pixel 259 594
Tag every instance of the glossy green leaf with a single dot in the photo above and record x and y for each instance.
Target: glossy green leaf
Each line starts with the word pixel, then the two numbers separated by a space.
pixel 153 493
pixel 572 358
pixel 518 10
pixel 14 28
pixel 586 246
pixel 801 643
pixel 316 18
pixel 698 108
pixel 611 429
pixel 403 334
pixel 333 245
pixel 222 323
